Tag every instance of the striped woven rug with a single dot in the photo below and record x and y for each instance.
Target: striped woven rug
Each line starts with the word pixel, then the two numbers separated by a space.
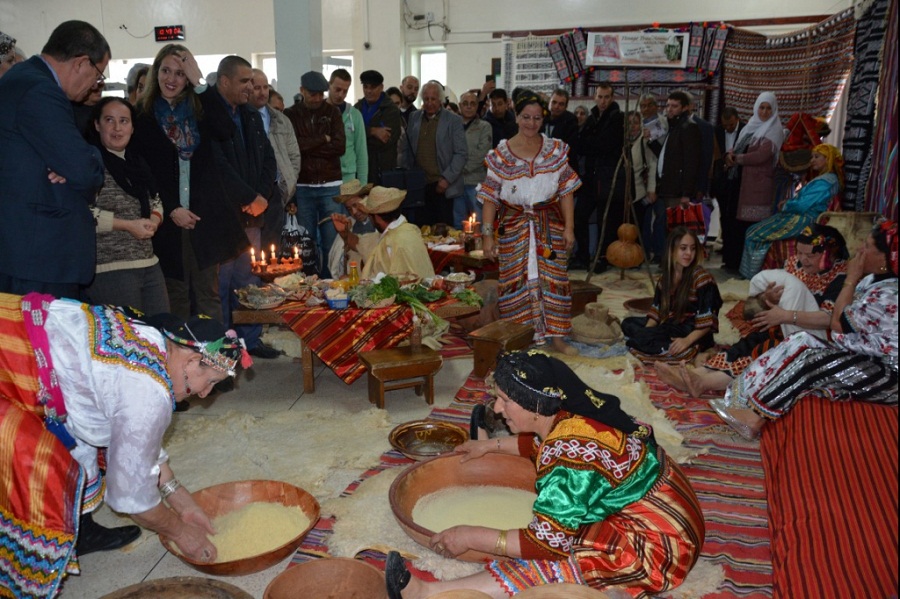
pixel 728 479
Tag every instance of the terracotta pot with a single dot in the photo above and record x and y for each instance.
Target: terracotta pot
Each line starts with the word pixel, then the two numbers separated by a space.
pixel 228 497
pixel 437 474
pixel 639 305
pixel 328 578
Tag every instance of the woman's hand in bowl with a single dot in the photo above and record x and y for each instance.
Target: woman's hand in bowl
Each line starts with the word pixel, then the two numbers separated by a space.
pixel 194 544
pixel 454 541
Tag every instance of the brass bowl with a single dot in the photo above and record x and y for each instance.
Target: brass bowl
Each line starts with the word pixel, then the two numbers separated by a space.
pixel 328 578
pixel 221 499
pixel 421 439
pixel 435 474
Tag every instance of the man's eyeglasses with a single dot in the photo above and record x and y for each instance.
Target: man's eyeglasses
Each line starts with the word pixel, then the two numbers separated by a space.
pixel 100 76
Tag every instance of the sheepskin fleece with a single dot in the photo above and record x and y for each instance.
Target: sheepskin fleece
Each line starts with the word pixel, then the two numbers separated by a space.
pixel 307 448
pixel 635 396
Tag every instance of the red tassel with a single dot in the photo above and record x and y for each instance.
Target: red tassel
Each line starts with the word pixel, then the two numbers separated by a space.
pixel 246 360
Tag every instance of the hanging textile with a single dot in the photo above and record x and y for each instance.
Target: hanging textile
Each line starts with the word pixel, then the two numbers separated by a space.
pixel 706 47
pixel 806 70
pixel 527 64
pixel 881 188
pixel 864 86
pixel 568 52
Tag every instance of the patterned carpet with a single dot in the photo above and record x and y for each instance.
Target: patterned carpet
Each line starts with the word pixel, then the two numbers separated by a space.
pixel 727 478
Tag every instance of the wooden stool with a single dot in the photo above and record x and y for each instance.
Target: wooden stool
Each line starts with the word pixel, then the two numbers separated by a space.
pixel 491 339
pixel 401 364
pixel 583 293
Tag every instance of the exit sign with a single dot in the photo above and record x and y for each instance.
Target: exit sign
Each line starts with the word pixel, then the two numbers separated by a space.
pixel 168 33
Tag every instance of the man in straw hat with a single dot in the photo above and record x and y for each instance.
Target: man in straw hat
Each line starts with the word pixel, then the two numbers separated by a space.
pixel 352 193
pixel 397 247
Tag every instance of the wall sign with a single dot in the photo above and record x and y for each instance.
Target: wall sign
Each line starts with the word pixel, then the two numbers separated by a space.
pixel 638 49
pixel 169 33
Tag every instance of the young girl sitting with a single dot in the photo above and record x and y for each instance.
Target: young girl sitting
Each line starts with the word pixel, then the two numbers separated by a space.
pixel 685 311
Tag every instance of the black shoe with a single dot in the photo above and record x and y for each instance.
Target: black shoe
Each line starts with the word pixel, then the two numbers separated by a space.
pixel 476 422
pixel 225 385
pixel 264 351
pixel 93 537
pixel 182 406
pixel 601 267
pixel 577 264
pixel 396 575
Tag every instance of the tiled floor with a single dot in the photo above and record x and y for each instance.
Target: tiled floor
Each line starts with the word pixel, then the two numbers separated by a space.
pixel 272 386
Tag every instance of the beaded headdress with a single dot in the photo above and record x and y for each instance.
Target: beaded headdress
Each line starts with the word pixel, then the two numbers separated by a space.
pixel 218 349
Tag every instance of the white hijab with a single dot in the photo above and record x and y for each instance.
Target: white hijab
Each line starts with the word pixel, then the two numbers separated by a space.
pixel 757 128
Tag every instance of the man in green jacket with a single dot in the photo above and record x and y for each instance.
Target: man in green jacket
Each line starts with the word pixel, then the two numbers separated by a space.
pixel 355 161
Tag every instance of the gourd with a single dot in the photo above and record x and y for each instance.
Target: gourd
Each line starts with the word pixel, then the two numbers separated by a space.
pixel 626 252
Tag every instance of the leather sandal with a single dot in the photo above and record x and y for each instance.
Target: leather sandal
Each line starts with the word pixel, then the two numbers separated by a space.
pixel 396 575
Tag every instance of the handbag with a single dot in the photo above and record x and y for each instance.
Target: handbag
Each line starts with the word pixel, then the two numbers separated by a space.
pixel 294 235
pixel 410 179
pixel 690 216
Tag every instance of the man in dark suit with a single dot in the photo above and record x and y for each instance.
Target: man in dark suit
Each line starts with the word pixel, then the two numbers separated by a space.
pixel 249 173
pixel 562 124
pixel 726 184
pixel 680 153
pixel 48 173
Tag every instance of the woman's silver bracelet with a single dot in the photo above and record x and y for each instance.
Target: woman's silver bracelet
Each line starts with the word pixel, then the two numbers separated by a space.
pixel 487 228
pixel 169 487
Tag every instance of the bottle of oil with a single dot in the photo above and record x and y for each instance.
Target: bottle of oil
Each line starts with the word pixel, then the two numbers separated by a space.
pixel 353 273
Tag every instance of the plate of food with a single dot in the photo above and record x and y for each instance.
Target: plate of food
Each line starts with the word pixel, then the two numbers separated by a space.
pixel 457 281
pixel 261 298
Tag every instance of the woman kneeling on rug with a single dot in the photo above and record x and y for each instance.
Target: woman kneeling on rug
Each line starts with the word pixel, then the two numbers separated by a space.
pixel 87 383
pixel 686 303
pixel 859 363
pixel 612 510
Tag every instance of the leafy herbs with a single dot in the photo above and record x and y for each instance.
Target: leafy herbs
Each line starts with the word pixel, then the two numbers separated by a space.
pixel 469 297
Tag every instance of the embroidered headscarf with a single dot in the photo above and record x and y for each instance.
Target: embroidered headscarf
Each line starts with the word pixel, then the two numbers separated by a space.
pixel 834 162
pixel 545 385
pixel 218 348
pixel 524 97
pixel 827 241
pixel 756 128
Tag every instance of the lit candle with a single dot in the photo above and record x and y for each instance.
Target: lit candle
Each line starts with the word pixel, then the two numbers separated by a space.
pixel 296 254
pixel 262 257
pixel 252 257
pixel 274 257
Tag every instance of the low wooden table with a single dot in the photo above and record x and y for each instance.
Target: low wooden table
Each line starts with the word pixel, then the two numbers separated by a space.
pixel 491 339
pixel 583 293
pixel 401 368
pixel 307 358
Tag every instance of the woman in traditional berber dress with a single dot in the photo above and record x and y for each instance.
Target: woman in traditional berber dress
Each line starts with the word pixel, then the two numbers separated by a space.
pixel 755 153
pixel 128 212
pixel 528 195
pixel 859 363
pixel 797 213
pixel 82 380
pixel 798 297
pixel 613 511
pixel 685 311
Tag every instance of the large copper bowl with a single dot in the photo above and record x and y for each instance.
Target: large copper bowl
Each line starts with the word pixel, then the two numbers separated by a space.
pixel 436 474
pixel 219 500
pixel 328 578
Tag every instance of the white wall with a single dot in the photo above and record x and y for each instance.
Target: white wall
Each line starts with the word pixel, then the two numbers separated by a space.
pixel 246 27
